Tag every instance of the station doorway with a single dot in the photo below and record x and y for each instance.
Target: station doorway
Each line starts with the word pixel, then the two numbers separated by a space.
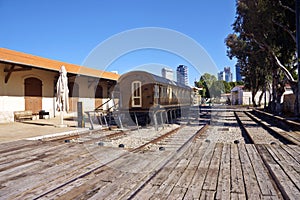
pixel 33 94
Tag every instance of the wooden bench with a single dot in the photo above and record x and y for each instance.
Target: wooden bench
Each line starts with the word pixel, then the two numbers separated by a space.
pixel 21 115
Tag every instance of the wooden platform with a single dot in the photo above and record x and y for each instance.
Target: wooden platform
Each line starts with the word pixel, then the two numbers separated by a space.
pixel 202 170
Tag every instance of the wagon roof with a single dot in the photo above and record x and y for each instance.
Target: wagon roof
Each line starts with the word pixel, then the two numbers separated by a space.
pixel 160 79
pixel 24 59
pixel 157 79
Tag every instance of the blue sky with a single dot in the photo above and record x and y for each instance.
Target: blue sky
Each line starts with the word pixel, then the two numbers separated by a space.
pixel 69 30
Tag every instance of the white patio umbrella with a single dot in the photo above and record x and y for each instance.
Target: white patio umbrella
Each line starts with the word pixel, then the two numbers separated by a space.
pixel 62 92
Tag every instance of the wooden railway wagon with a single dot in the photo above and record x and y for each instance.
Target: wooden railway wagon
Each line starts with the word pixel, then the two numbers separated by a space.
pixel 143 94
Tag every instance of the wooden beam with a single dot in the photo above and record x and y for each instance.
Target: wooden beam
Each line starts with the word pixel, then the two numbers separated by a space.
pixel 9 73
pixel 17 70
pixel 92 81
pixel 13 69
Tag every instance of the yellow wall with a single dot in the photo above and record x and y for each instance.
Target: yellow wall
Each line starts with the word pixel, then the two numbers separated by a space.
pixel 15 84
pixel 12 93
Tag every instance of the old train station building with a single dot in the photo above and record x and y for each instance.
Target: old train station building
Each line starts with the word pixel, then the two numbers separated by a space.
pixel 28 83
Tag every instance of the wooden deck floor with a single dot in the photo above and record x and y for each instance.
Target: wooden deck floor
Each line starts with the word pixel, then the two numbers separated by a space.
pixel 202 170
pixel 228 171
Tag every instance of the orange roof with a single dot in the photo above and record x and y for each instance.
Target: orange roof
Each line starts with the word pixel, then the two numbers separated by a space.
pixel 10 56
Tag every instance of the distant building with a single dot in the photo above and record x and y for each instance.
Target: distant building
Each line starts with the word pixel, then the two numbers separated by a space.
pixel 240 96
pixel 221 76
pixel 228 74
pixel 238 73
pixel 167 73
pixel 182 74
pixel 225 75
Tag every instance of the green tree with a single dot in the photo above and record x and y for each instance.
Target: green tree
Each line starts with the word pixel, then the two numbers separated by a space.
pixel 217 88
pixel 264 44
pixel 229 86
pixel 212 87
pixel 205 82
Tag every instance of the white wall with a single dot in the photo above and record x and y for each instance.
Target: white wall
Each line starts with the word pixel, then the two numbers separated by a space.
pixel 9 104
pixel 247 98
pixel 88 104
pixel 48 104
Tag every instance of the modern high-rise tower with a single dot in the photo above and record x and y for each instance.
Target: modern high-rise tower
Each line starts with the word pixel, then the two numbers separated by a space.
pixel 182 74
pixel 238 73
pixel 225 75
pixel 228 74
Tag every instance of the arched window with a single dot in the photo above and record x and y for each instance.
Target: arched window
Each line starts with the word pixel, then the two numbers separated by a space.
pixel 33 87
pixel 136 90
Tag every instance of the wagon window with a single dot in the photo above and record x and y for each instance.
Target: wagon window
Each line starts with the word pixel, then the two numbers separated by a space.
pixel 173 94
pixel 156 91
pixel 163 92
pixel 136 94
pixel 169 92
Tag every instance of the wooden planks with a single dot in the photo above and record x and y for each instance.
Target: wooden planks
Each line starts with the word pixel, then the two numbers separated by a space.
pixel 283 168
pixel 237 179
pixel 196 184
pixel 223 189
pixel 203 170
pixel 264 181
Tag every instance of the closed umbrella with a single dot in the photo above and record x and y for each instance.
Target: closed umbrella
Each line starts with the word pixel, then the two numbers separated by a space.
pixel 62 92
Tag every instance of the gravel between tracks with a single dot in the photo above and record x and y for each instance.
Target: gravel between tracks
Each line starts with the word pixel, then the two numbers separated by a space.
pixel 139 137
pixel 224 129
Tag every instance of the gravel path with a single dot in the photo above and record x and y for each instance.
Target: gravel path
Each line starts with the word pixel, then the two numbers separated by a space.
pixel 224 129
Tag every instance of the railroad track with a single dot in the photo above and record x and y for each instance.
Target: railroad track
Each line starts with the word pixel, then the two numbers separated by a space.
pixel 184 163
pixel 256 131
pixel 105 133
pixel 141 157
pixel 280 142
pixel 286 130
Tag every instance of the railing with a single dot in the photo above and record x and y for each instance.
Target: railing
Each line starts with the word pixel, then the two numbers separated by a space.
pixel 101 113
pixel 98 108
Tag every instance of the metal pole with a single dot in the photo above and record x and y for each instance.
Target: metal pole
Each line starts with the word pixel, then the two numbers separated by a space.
pixel 80 116
pixel 61 117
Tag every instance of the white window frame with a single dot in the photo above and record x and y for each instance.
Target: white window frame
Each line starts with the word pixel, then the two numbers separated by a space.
pixel 163 92
pixel 136 91
pixel 156 91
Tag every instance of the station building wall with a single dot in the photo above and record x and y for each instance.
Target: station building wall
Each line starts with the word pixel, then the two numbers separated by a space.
pixel 12 93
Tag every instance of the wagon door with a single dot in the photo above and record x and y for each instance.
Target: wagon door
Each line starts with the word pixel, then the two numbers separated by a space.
pixel 136 91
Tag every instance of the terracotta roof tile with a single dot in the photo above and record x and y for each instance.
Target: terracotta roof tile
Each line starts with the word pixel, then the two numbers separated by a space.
pixel 11 56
